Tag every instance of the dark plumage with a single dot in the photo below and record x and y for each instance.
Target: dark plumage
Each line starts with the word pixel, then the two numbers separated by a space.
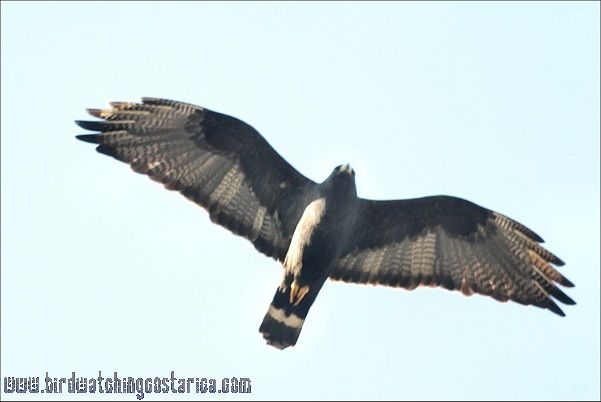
pixel 321 231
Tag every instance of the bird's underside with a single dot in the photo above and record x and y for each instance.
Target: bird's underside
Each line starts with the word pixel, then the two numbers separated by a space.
pixel 323 230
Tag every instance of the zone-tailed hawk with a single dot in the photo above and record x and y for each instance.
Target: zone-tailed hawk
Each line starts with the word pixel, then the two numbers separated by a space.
pixel 323 230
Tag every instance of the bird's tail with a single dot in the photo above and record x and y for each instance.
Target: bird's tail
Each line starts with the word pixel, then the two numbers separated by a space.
pixel 283 322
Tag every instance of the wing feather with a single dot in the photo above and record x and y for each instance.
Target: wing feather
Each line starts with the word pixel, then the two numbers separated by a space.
pixel 452 243
pixel 215 160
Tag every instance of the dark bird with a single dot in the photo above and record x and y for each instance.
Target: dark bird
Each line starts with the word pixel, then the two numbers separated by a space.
pixel 323 230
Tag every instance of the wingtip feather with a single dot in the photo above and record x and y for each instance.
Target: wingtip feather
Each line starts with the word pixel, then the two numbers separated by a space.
pixel 551 305
pixel 566 282
pixel 91 138
pixel 95 112
pixel 562 297
pixel 88 125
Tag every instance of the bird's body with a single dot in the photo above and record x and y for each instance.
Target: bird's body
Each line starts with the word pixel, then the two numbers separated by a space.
pixel 324 231
pixel 318 240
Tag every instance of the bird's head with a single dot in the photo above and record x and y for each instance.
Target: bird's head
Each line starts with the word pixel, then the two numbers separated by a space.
pixel 344 169
pixel 343 172
pixel 342 178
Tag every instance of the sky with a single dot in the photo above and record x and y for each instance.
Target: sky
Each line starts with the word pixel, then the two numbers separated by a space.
pixel 104 270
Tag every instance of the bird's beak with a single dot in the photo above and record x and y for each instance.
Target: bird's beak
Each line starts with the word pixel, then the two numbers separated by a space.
pixel 346 169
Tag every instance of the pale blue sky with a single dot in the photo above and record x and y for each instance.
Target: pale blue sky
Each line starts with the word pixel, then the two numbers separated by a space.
pixel 103 269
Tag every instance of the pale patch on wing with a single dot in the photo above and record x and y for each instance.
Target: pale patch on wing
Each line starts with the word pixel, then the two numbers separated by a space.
pixel 292 320
pixel 227 189
pixel 153 164
pixel 423 255
pixel 372 265
pixel 257 224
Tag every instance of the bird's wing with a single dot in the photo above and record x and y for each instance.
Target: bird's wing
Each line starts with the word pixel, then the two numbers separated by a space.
pixel 215 160
pixel 453 243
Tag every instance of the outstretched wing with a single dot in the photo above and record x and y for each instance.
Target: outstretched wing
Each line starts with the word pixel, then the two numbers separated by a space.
pixel 453 243
pixel 215 160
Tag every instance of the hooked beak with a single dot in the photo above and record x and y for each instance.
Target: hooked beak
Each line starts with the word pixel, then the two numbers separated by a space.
pixel 346 168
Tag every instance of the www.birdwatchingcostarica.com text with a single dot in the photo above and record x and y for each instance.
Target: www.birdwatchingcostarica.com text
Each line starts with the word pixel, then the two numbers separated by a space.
pixel 116 384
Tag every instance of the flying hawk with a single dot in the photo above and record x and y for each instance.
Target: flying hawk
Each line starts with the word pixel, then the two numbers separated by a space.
pixel 323 230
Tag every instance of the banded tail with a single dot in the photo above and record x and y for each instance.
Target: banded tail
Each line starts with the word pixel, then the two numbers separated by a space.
pixel 284 321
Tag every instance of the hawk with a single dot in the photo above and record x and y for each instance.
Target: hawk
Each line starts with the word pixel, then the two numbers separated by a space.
pixel 321 231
